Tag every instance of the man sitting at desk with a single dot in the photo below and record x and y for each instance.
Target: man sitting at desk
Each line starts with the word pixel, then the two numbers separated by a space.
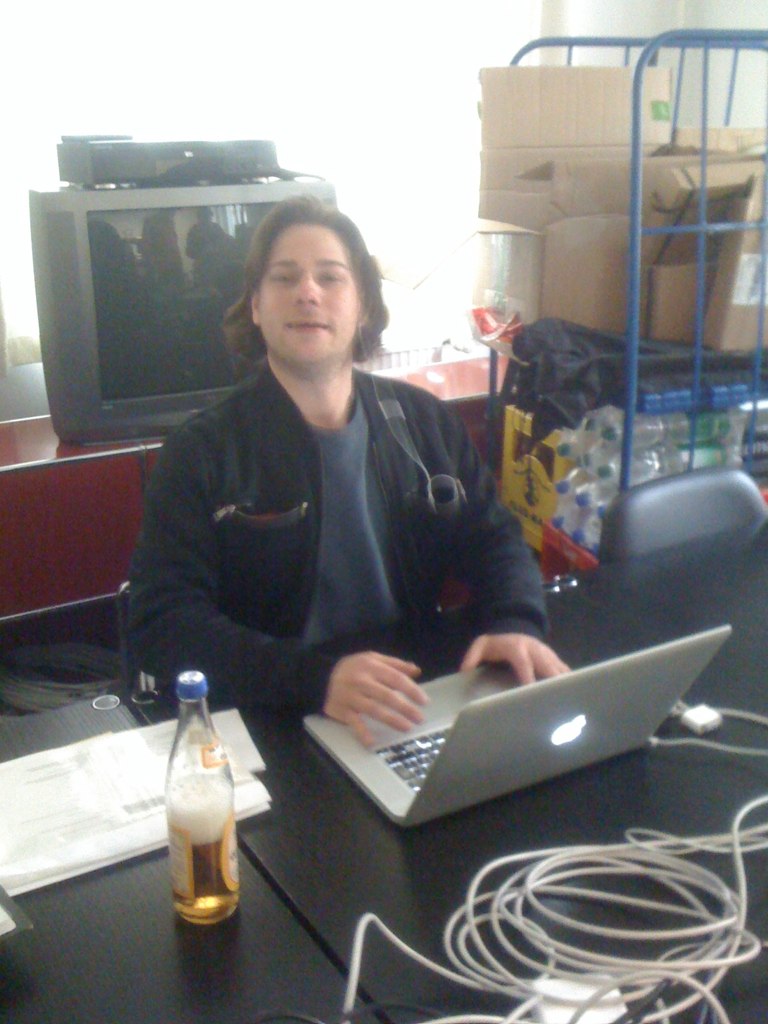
pixel 297 535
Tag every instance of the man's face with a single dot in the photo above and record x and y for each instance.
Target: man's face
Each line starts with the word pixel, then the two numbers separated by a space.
pixel 308 304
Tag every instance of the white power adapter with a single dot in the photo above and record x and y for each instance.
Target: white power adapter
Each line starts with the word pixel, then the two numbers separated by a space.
pixel 701 719
pixel 560 998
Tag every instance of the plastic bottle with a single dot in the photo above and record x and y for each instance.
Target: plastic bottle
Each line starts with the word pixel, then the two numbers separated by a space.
pixel 732 440
pixel 199 801
pixel 677 428
pixel 569 445
pixel 570 514
pixel 604 457
pixel 588 534
pixel 593 430
pixel 647 431
pixel 600 489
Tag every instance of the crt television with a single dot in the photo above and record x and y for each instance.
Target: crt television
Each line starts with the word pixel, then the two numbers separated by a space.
pixel 132 285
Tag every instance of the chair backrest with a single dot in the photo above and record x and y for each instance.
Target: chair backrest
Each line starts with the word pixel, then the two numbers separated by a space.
pixel 137 686
pixel 674 510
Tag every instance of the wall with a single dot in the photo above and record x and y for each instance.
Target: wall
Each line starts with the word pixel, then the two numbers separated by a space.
pixel 385 108
pixel 609 18
pixel 22 393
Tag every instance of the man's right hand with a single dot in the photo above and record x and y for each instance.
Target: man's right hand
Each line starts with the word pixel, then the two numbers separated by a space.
pixel 376 685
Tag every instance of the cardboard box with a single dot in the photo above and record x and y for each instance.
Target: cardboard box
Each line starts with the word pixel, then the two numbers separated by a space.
pixel 671 303
pixel 530 115
pixel 529 473
pixel 499 168
pixel 578 186
pixel 584 276
pixel 733 197
pixel 670 272
pixel 529 210
pixel 580 206
pixel 732 322
pixel 531 107
pixel 727 139
pixel 556 149
pixel 585 252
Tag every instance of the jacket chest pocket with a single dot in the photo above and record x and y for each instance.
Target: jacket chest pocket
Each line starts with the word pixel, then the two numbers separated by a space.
pixel 247 516
pixel 263 553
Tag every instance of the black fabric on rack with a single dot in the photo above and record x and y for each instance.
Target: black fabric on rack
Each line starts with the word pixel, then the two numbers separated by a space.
pixel 561 371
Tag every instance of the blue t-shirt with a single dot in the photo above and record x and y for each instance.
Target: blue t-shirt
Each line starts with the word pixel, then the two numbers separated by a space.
pixel 352 591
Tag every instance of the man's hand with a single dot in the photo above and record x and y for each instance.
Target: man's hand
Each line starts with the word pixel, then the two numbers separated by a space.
pixel 529 658
pixel 376 685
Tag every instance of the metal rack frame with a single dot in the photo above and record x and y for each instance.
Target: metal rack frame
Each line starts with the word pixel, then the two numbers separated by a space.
pixel 679 42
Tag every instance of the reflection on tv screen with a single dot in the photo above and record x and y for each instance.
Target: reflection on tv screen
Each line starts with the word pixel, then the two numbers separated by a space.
pixel 162 280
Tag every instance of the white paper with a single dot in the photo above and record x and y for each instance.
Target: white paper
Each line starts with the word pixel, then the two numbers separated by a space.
pixel 746 289
pixel 231 730
pixel 6 923
pixel 99 801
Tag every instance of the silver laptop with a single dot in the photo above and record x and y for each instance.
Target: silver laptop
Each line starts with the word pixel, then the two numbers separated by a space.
pixel 484 735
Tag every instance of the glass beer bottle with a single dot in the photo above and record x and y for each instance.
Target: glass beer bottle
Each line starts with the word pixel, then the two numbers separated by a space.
pixel 199 803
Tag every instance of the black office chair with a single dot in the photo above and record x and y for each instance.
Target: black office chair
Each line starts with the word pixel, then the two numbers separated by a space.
pixel 675 510
pixel 138 686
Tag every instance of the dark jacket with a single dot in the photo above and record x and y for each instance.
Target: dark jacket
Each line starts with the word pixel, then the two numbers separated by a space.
pixel 224 570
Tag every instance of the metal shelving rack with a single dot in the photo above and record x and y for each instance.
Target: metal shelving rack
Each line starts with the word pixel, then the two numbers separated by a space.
pixel 642 53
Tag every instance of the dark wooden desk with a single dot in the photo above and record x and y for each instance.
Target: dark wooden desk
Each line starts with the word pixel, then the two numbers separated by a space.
pixel 72 513
pixel 106 948
pixel 71 516
pixel 336 857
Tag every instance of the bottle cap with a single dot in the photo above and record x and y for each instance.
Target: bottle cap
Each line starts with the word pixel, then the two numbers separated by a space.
pixel 191 686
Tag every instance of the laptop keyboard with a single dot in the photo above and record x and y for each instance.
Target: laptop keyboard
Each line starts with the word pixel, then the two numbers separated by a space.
pixel 413 758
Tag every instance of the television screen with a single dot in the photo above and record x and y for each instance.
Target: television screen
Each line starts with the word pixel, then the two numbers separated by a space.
pixel 132 286
pixel 162 281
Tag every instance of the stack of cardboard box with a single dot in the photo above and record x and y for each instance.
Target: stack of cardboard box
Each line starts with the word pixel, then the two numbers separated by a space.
pixel 555 160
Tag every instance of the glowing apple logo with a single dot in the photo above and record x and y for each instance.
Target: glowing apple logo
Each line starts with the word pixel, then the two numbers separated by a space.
pixel 569 731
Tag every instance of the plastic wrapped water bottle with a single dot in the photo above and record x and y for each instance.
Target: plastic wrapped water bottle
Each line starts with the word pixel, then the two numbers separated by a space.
pixel 587 535
pixel 601 487
pixel 732 441
pixel 647 432
pixel 570 514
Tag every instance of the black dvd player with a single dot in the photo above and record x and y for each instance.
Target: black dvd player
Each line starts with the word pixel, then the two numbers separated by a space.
pixel 94 161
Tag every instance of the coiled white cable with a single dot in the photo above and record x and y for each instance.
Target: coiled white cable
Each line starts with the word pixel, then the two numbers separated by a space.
pixel 506 936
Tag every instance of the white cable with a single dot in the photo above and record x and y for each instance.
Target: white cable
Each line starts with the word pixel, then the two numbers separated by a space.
pixel 680 709
pixel 727 748
pixel 747 716
pixel 368 920
pixel 498 940
pixel 572 961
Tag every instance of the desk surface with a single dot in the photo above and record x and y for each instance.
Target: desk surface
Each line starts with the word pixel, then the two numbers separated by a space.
pixel 106 947
pixel 33 442
pixel 338 857
pixel 456 380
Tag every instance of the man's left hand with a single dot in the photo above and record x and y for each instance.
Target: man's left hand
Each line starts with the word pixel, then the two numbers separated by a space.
pixel 530 659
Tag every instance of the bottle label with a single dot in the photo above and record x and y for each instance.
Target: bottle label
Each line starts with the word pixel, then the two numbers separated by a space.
pixel 182 870
pixel 213 755
pixel 229 866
